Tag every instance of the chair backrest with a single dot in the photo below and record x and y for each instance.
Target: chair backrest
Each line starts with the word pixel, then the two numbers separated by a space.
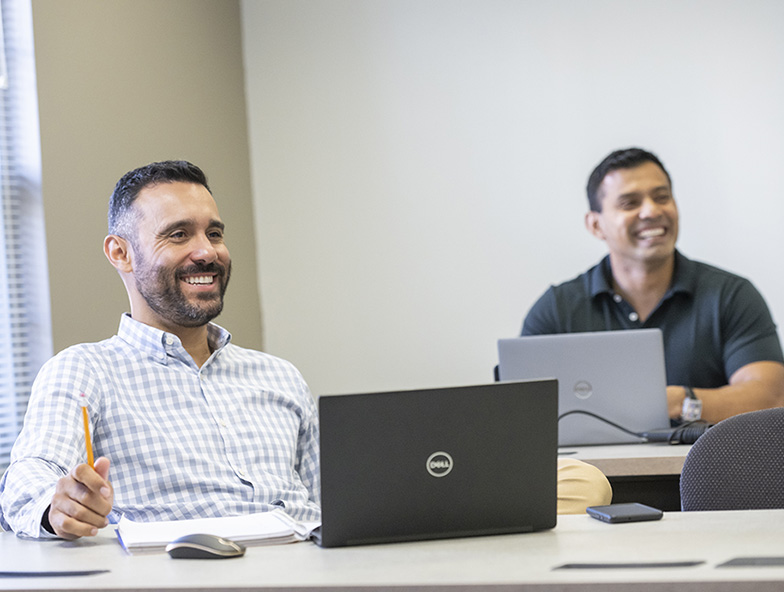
pixel 738 464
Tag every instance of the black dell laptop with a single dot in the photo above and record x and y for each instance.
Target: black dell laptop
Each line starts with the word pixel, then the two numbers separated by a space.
pixel 438 463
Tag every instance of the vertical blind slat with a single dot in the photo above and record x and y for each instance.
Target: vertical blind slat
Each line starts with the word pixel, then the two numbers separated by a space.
pixel 25 326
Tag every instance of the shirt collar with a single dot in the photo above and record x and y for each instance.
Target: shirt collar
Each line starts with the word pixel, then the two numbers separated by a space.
pixel 683 277
pixel 600 278
pixel 160 344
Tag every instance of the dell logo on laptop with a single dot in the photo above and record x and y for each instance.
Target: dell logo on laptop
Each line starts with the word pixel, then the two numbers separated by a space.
pixel 583 389
pixel 439 464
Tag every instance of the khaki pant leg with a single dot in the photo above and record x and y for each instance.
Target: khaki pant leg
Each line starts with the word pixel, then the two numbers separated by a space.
pixel 581 485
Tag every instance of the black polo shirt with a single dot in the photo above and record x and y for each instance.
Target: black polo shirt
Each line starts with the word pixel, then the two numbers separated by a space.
pixel 713 322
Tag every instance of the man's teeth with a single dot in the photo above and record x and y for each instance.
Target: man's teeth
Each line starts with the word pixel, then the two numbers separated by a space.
pixel 199 279
pixel 651 232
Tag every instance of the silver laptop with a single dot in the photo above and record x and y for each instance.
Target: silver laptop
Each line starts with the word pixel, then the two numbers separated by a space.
pixel 617 375
pixel 438 463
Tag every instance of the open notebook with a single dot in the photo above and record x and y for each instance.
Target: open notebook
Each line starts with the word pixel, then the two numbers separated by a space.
pixel 265 528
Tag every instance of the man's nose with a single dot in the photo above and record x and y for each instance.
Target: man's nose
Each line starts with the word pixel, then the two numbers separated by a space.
pixel 649 208
pixel 203 250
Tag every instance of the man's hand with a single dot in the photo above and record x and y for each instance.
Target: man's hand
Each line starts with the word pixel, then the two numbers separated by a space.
pixel 82 501
pixel 675 397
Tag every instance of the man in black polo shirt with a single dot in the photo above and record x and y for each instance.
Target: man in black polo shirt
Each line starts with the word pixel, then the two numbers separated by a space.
pixel 722 352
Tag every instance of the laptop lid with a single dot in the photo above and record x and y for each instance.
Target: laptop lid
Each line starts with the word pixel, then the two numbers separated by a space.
pixel 618 375
pixel 438 463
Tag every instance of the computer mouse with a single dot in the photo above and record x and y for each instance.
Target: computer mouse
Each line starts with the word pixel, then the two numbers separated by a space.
pixel 204 546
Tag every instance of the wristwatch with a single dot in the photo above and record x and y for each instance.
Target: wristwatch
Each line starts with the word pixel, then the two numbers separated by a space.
pixel 692 406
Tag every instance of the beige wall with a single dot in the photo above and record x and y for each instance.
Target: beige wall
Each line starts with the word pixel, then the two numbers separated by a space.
pixel 122 83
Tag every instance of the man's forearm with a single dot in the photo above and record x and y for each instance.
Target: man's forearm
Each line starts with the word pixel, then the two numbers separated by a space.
pixel 756 386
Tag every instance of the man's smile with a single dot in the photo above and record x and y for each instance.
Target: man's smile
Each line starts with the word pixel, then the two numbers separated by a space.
pixel 654 232
pixel 199 279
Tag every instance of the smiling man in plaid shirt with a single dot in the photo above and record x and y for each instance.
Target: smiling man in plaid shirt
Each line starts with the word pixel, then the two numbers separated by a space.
pixel 184 423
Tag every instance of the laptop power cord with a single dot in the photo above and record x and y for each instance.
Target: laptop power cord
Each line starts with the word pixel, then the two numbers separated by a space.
pixel 686 433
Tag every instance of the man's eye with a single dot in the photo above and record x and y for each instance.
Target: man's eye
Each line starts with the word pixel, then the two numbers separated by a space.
pixel 177 235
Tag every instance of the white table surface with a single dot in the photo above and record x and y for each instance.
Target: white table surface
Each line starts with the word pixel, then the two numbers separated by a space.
pixel 520 562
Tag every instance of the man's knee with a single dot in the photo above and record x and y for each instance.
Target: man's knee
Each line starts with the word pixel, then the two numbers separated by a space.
pixel 581 485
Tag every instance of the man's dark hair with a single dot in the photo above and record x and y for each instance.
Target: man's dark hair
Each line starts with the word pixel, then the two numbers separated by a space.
pixel 122 219
pixel 628 158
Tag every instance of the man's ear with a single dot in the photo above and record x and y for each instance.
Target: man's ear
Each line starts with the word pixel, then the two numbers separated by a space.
pixel 592 220
pixel 117 251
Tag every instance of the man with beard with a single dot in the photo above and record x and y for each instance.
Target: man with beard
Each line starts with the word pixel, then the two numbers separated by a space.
pixel 192 425
pixel 722 350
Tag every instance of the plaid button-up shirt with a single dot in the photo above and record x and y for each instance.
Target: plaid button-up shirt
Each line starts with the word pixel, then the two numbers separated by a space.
pixel 236 436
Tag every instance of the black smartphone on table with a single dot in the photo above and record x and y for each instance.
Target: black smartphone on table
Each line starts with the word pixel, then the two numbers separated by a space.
pixel 631 512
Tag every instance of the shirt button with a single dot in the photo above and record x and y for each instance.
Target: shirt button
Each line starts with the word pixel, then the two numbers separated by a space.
pixel 633 316
pixel 617 298
pixel 169 340
pixel 222 423
pixel 241 473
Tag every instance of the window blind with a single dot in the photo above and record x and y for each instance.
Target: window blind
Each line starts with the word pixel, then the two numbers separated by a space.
pixel 25 324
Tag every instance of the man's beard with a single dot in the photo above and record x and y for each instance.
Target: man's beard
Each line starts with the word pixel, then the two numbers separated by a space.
pixel 160 288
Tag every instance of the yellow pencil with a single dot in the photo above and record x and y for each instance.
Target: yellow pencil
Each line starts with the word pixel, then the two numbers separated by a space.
pixel 88 444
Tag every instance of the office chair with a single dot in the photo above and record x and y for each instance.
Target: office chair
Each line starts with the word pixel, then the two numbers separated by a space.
pixel 738 464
